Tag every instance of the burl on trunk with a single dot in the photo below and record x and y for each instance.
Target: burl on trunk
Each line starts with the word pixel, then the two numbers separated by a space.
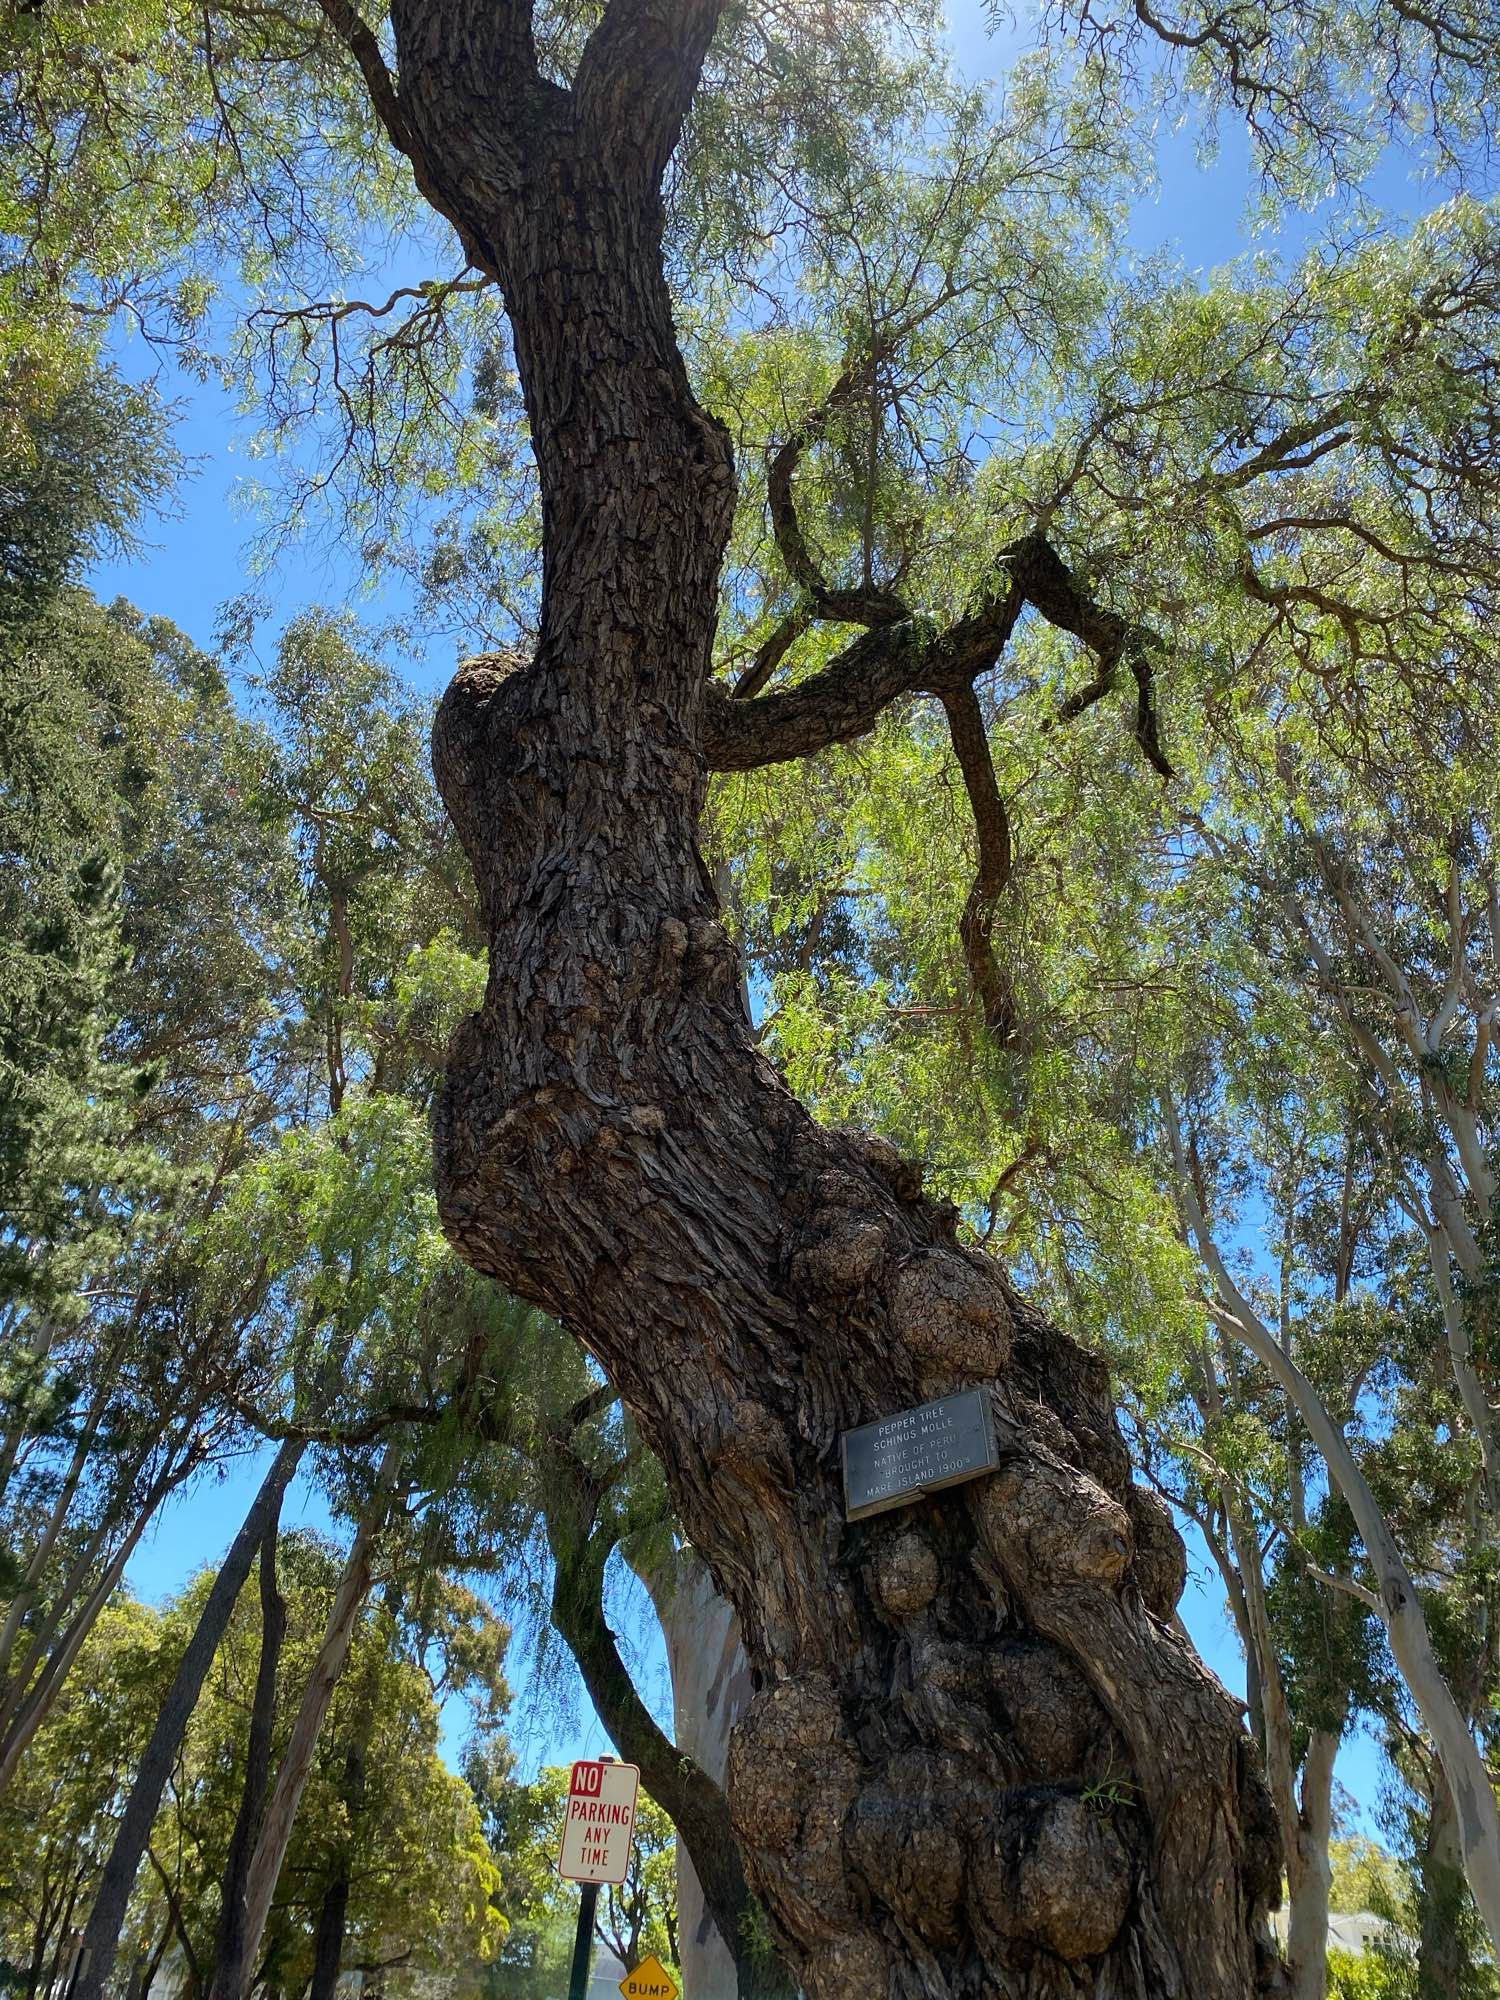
pixel 979 1760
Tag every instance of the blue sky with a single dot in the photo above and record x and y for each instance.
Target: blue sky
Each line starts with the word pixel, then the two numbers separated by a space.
pixel 195 563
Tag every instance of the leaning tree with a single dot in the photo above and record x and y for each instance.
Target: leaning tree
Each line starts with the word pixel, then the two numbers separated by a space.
pixel 980 1756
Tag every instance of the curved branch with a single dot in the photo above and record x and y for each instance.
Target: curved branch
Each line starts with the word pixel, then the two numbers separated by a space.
pixel 845 700
pixel 996 857
pixel 359 38
pixel 855 607
pixel 842 702
pixel 1052 588
pixel 581 1544
pixel 770 653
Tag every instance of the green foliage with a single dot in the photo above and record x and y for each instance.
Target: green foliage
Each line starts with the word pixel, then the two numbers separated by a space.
pixel 56 1819
pixel 1368 1976
pixel 233 950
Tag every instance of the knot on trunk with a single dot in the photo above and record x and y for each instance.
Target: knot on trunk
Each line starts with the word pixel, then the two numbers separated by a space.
pixel 1159 1566
pixel 467 731
pixel 905 1846
pixel 904 1574
pixel 842 1254
pixel 752 1449
pixel 1056 1521
pixel 887 1162
pixel 946 1697
pixel 792 1777
pixel 792 1780
pixel 1047 1709
pixel 951 1315
pixel 1260 1832
pixel 1054 1873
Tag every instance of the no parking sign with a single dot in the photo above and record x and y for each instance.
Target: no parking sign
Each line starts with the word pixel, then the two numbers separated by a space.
pixel 600 1822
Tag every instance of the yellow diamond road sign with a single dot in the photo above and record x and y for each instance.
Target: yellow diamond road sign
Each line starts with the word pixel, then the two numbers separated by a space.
pixel 650 1981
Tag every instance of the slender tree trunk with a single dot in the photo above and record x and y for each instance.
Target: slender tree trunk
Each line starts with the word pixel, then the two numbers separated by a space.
pixel 229 1951
pixel 50 1979
pixel 296 1762
pixel 102 1935
pixel 328 1943
pixel 693 1801
pixel 1400 1607
pixel 711 1688
pixel 1310 1871
pixel 333 1913
pixel 30 1584
pixel 1443 1965
pixel 11 1441
pixel 41 1937
pixel 39 1679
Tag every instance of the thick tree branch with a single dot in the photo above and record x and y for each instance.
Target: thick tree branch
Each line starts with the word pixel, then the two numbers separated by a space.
pixel 846 699
pixel 842 702
pixel 636 78
pixel 464 68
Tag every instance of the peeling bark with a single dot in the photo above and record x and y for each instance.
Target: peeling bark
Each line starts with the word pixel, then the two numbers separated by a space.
pixel 1310 1871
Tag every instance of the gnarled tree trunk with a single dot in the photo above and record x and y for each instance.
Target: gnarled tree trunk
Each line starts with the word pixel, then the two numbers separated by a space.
pixel 978 1760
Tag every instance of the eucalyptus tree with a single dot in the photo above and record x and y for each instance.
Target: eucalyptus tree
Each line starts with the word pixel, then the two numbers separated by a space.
pixel 55 1819
pixel 1062 1800
pixel 1362 869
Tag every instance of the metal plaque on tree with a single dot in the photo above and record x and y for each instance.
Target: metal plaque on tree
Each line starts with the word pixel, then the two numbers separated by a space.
pixel 900 1458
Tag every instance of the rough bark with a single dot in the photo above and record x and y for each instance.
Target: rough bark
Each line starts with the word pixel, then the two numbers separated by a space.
pixel 102 1936
pixel 979 1759
pixel 229 1950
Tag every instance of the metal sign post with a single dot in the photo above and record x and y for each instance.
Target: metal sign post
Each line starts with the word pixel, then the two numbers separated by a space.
pixel 598 1828
pixel 583 1941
